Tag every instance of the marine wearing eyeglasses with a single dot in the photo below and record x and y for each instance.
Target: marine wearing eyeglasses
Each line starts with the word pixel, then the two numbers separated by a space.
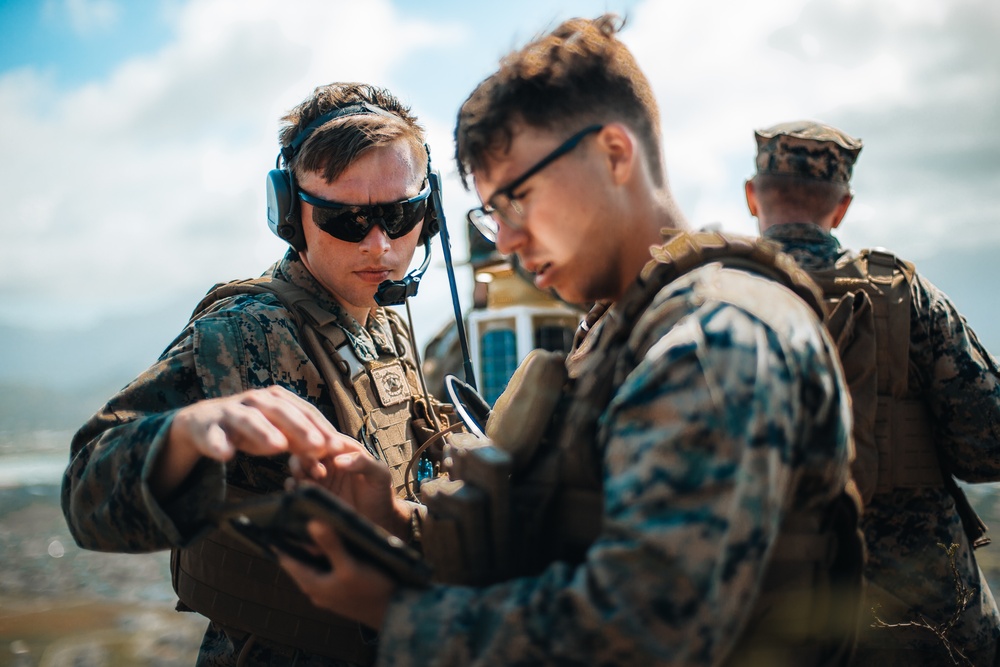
pixel 502 207
pixel 242 386
pixel 699 453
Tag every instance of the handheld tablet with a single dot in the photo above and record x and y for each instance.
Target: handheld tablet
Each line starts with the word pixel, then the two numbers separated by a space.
pixel 277 522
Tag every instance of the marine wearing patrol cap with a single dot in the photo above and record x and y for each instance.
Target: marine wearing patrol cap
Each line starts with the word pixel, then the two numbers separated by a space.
pixel 807 149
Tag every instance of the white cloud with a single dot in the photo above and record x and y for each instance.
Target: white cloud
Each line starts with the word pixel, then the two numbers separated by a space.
pixel 918 81
pixel 148 184
pixel 85 17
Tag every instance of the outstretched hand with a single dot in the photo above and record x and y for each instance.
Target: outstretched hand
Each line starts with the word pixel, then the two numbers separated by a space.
pixel 260 422
pixel 351 588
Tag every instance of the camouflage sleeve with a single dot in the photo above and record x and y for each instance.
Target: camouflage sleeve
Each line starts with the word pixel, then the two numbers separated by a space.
pixel 960 381
pixel 106 501
pixel 105 494
pixel 702 446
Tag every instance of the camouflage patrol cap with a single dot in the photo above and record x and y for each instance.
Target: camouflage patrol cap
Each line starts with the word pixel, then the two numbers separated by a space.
pixel 807 149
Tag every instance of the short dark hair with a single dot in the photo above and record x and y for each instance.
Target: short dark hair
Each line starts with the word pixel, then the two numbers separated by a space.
pixel 804 198
pixel 576 75
pixel 335 145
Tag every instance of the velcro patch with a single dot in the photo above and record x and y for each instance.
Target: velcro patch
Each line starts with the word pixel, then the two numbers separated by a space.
pixel 390 384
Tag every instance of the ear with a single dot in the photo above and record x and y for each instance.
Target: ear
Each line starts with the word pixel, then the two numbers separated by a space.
pixel 621 148
pixel 751 196
pixel 841 210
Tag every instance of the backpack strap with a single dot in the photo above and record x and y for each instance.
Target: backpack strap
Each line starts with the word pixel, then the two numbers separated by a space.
pixel 890 280
pixel 895 446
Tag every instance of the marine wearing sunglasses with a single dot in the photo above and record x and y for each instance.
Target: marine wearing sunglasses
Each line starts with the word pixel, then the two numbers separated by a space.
pixel 352 222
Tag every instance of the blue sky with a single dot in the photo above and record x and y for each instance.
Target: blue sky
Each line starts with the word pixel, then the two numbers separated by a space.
pixel 136 136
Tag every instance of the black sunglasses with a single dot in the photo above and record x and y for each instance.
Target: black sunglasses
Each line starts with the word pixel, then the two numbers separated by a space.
pixel 502 204
pixel 352 222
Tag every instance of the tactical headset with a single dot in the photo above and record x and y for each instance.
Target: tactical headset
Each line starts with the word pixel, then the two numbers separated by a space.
pixel 283 211
pixel 285 220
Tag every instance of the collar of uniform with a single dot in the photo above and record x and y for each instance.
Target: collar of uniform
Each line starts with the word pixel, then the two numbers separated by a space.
pixel 803 232
pixel 370 341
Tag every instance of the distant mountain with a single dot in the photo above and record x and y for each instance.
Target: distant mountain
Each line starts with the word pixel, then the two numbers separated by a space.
pixel 116 348
pixel 52 380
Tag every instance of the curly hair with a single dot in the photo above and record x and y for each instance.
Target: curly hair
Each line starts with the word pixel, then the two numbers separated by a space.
pixel 578 74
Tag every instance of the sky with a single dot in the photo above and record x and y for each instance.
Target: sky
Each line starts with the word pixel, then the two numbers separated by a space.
pixel 136 136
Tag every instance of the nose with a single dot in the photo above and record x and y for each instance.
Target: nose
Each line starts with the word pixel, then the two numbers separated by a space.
pixel 376 242
pixel 509 239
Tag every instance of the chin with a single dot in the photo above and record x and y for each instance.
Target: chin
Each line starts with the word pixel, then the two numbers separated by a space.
pixel 569 296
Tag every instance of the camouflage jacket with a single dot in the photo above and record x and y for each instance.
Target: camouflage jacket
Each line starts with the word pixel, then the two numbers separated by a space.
pixel 960 383
pixel 703 449
pixel 251 342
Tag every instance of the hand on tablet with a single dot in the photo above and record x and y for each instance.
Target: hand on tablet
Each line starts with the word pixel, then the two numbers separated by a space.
pixel 350 588
pixel 278 524
pixel 363 483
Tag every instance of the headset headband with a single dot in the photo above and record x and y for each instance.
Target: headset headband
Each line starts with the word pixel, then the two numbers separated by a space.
pixel 282 198
pixel 354 109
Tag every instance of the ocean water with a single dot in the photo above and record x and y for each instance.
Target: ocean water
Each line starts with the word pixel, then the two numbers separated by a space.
pixel 32 469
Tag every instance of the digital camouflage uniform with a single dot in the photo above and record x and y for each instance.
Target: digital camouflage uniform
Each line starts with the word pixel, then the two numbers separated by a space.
pixel 249 343
pixel 959 384
pixel 733 414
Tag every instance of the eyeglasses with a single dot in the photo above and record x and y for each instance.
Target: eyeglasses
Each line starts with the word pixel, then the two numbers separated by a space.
pixel 352 222
pixel 503 206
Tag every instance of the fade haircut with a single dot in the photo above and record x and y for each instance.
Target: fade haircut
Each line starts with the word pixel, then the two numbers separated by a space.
pixel 576 75
pixel 336 144
pixel 802 198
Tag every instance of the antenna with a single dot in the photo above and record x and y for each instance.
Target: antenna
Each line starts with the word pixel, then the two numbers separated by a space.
pixel 435 180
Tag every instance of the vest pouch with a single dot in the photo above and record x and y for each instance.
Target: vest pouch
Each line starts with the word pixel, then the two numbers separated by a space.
pixel 468 513
pixel 917 463
pixel 477 462
pixel 386 429
pixel 522 412
pixel 851 324
pixel 224 579
pixel 454 531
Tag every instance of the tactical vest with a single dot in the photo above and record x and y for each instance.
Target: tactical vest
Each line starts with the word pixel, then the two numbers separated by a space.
pixel 809 605
pixel 870 308
pixel 224 579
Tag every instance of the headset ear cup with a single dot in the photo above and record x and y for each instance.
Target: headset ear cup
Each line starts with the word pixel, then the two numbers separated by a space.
pixel 432 219
pixel 282 214
pixel 432 224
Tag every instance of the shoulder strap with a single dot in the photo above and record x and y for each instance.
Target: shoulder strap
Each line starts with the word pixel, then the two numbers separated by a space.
pixel 687 251
pixel 886 280
pixel 684 253
pixel 213 299
pixel 321 336
pixel 681 254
